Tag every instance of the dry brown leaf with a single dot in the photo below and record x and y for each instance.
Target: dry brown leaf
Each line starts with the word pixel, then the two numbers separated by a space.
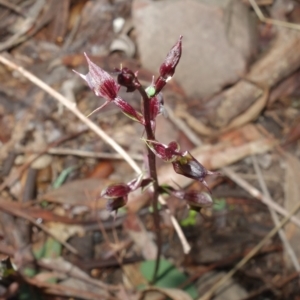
pixel 63 231
pixel 137 231
pixel 292 196
pixel 174 294
pixel 79 192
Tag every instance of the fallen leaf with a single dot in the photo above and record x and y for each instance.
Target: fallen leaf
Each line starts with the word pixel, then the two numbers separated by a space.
pixel 138 233
pixel 292 196
pixel 79 192
pixel 174 294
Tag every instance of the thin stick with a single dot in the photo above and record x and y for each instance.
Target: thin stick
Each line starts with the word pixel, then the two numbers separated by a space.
pixel 12 7
pixel 21 214
pixel 257 194
pixel 274 216
pixel 238 266
pixel 262 18
pixel 72 107
pixel 84 153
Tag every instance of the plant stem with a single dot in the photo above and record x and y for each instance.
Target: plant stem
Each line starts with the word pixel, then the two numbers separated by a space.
pixel 153 175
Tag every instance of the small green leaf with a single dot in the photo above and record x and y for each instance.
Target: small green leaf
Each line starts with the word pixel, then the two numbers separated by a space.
pixel 28 292
pixel 50 249
pixel 190 220
pixel 168 276
pixel 151 208
pixel 220 204
pixel 63 176
pixel 29 272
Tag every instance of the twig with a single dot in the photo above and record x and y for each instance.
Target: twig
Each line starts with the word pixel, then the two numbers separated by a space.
pixel 27 24
pixel 97 130
pixel 72 34
pixel 12 7
pixel 21 214
pixel 66 291
pixel 257 194
pixel 84 153
pixel 262 18
pixel 16 175
pixel 238 266
pixel 278 285
pixel 274 216
pixel 183 127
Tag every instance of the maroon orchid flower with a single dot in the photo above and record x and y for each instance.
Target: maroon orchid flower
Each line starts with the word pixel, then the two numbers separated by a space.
pixel 167 153
pixel 103 85
pixel 194 198
pixel 100 82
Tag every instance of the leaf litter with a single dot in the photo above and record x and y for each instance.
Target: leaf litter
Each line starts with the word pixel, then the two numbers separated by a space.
pixel 44 212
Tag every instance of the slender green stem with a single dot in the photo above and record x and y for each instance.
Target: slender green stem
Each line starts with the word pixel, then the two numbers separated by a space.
pixel 153 175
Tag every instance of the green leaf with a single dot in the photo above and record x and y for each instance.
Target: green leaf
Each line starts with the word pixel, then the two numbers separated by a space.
pixel 63 176
pixel 220 204
pixel 151 210
pixel 59 181
pixel 190 220
pixel 29 272
pixel 168 276
pixel 28 292
pixel 50 249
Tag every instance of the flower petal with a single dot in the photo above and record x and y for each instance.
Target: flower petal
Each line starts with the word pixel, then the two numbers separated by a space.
pixel 102 84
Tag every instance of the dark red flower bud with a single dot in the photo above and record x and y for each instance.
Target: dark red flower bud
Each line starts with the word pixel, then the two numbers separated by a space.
pixel 167 68
pixel 194 198
pixel 188 166
pixel 126 78
pixel 128 110
pixel 116 191
pixel 100 81
pixel 117 194
pixel 114 204
pixel 167 153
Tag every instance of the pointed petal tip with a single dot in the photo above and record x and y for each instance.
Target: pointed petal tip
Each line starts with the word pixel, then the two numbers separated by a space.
pixel 206 185
pixel 214 173
pixel 87 58
pixel 81 75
